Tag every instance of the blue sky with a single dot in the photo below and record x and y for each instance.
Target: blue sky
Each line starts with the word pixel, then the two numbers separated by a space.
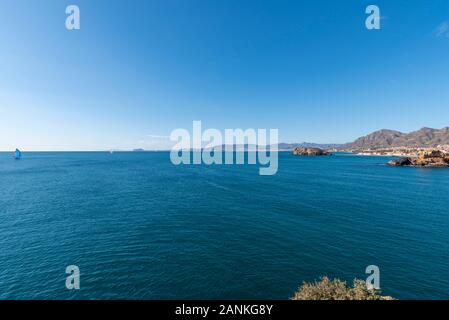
pixel 139 69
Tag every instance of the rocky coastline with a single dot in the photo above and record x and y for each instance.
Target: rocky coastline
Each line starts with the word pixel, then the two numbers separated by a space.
pixel 433 158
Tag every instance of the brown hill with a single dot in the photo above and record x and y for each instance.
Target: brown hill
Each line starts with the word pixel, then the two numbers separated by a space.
pixel 423 138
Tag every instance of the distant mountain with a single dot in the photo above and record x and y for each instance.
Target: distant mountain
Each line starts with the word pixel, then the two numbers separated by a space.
pixel 422 138
pixel 291 146
pixel 281 146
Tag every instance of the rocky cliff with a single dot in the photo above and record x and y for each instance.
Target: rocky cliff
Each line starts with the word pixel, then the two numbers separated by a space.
pixel 310 152
pixel 433 158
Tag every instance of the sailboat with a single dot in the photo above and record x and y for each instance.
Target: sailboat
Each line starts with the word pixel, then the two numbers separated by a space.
pixel 17 154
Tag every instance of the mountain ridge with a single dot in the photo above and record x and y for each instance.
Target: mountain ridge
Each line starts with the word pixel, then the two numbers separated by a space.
pixel 386 138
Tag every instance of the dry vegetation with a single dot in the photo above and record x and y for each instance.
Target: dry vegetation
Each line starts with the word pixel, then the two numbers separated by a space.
pixel 336 289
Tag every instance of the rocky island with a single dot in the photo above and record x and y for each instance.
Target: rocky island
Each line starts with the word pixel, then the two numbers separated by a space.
pixel 432 158
pixel 310 152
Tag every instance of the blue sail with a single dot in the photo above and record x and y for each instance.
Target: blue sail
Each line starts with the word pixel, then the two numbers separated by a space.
pixel 17 154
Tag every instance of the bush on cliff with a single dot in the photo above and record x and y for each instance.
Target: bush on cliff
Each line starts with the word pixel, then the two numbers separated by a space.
pixel 337 289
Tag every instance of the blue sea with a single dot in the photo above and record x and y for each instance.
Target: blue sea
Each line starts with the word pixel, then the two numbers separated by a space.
pixel 139 227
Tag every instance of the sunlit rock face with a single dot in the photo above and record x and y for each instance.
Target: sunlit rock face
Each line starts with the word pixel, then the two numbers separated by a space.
pixel 429 158
pixel 310 152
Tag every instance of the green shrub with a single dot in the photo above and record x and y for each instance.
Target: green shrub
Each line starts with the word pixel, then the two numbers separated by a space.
pixel 337 289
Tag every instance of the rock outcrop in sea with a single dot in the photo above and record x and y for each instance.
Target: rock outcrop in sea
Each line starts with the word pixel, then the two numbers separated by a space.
pixel 432 158
pixel 310 152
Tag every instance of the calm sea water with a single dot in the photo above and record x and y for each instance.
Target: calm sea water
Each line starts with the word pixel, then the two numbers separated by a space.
pixel 139 227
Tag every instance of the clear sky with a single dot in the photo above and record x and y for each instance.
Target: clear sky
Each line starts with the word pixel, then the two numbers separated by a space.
pixel 139 69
